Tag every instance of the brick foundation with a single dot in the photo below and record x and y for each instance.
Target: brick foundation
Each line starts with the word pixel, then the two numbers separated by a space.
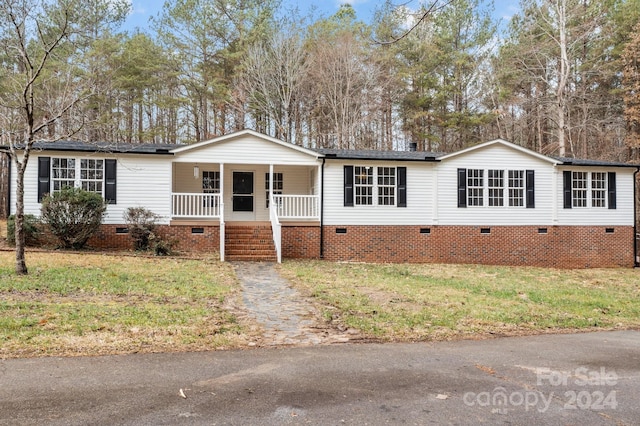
pixel 562 246
pixel 186 241
pixel 300 242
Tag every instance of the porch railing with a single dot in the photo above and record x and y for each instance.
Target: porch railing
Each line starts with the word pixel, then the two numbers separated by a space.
pixel 195 205
pixel 297 206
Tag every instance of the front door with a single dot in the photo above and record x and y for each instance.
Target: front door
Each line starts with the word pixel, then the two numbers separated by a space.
pixel 243 191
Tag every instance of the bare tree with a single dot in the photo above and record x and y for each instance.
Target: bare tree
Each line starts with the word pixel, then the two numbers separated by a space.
pixel 37 41
pixel 274 74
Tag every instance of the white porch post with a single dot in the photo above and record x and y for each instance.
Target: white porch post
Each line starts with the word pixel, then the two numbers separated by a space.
pixel 222 238
pixel 270 185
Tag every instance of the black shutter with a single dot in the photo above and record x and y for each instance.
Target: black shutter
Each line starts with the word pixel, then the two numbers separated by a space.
pixel 462 187
pixel 44 177
pixel 531 193
pixel 348 186
pixel 611 189
pixel 566 185
pixel 110 181
pixel 402 186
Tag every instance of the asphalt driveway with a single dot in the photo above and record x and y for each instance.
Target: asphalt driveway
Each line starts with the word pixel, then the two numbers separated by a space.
pixel 577 379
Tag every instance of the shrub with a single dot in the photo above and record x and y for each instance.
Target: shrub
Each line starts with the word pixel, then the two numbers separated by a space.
pixel 73 215
pixel 31 230
pixel 141 223
pixel 161 246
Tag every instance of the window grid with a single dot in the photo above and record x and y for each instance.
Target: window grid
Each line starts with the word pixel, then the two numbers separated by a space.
pixel 92 175
pixel 475 187
pixel 495 180
pixel 210 182
pixel 63 173
pixel 598 189
pixel 278 185
pixel 363 185
pixel 386 186
pixel 516 188
pixel 579 189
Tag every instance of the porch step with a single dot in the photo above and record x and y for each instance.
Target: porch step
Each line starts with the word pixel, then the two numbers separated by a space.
pixel 249 243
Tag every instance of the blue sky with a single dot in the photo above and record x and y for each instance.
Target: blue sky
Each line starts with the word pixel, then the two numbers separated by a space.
pixel 142 10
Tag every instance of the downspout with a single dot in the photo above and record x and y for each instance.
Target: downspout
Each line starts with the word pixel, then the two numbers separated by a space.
pixel 9 161
pixel 636 264
pixel 322 209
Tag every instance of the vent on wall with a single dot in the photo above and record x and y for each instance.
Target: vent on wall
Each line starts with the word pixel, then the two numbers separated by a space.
pixel 197 230
pixel 485 230
pixel 122 230
pixel 542 230
pixel 341 230
pixel 609 230
pixel 425 230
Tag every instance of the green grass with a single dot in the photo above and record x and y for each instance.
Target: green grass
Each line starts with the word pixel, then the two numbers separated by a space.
pixel 89 304
pixel 433 302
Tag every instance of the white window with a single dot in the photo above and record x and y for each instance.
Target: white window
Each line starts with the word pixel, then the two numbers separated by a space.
pixel 363 185
pixel 386 186
pixel 475 187
pixel 598 189
pixel 516 188
pixel 85 173
pixel 210 182
pixel 63 173
pixel 278 185
pixel 92 175
pixel 579 189
pixel 496 187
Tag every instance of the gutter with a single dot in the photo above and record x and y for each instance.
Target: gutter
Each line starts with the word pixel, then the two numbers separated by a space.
pixel 322 209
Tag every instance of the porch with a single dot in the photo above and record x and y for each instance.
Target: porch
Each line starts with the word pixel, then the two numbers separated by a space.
pixel 251 194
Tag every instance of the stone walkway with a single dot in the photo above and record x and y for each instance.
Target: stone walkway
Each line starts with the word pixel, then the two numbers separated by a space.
pixel 286 318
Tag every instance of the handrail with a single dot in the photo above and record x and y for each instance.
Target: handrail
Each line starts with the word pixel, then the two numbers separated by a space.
pixel 276 228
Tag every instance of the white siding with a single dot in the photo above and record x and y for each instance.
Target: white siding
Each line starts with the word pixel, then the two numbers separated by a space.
pixel 494 157
pixel 245 149
pixel 420 177
pixel 142 181
pixel 621 215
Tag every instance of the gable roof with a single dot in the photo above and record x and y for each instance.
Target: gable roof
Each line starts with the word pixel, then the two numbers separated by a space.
pixel 501 142
pixel 241 133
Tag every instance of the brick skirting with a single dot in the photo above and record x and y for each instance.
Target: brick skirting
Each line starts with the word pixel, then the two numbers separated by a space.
pixel 547 246
pixel 560 246
pixel 300 242
pixel 188 238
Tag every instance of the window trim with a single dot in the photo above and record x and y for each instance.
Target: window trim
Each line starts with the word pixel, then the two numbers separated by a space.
pixel 276 191
pixel 483 194
pixel 608 189
pixel 46 179
pixel 351 185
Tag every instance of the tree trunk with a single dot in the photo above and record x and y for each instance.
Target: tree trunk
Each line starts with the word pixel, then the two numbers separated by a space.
pixel 21 263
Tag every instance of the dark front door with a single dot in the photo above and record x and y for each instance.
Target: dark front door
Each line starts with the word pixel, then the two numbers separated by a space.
pixel 242 191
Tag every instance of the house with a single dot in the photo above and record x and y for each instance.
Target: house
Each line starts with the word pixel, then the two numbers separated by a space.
pixel 250 196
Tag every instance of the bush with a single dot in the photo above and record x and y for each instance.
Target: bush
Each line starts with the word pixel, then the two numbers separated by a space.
pixel 73 215
pixel 161 246
pixel 141 223
pixel 31 230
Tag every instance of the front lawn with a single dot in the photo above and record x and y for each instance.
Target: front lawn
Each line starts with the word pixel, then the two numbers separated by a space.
pixel 90 304
pixel 436 302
